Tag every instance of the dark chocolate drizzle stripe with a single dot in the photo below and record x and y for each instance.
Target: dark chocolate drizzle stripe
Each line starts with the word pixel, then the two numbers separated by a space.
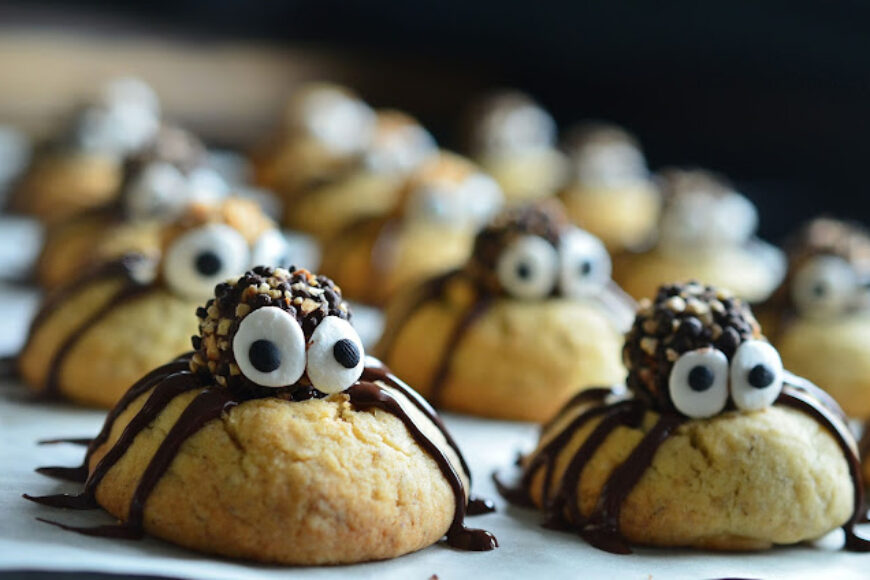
pixel 366 395
pixel 601 527
pixel 439 379
pixel 376 371
pixel 80 473
pixel 584 397
pixel 426 292
pixel 160 397
pixel 120 267
pixel 83 441
pixel 127 292
pixel 796 398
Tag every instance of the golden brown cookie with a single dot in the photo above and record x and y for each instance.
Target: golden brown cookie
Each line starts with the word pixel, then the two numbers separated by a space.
pixel 706 233
pixel 277 440
pixel 712 445
pixel 513 139
pixel 532 318
pixel 80 168
pixel 821 313
pixel 442 203
pixel 96 335
pixel 610 193
pixel 370 187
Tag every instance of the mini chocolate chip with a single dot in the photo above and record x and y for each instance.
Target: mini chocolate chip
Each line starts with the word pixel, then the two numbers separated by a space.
pixel 208 263
pixel 760 376
pixel 264 355
pixel 346 353
pixel 701 378
pixel 196 341
pixel 201 313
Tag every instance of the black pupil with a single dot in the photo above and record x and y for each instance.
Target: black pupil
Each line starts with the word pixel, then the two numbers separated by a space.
pixel 346 353
pixel 264 355
pixel 585 267
pixel 760 376
pixel 208 263
pixel 524 270
pixel 700 378
pixel 819 290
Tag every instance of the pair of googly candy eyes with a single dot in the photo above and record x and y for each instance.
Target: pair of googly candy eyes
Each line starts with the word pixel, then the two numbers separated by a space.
pixel 271 351
pixel 200 259
pixel 828 286
pixel 162 190
pixel 700 379
pixel 473 202
pixel 532 268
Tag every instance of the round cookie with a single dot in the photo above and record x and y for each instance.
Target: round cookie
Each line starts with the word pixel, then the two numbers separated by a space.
pixel 325 129
pixel 157 184
pixel 431 229
pixel 530 319
pixel 81 167
pixel 820 316
pixel 367 188
pixel 94 336
pixel 277 440
pixel 705 232
pixel 611 193
pixel 712 445
pixel 513 139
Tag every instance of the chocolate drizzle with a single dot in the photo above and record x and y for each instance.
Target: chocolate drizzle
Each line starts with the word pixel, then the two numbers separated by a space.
pixel 131 288
pixel 601 527
pixel 175 378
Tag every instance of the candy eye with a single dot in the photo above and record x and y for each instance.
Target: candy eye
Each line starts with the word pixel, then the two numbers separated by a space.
pixel 698 383
pixel 527 268
pixel 756 375
pixel 270 249
pixel 585 264
pixel 269 347
pixel 824 286
pixel 481 197
pixel 206 185
pixel 433 203
pixel 158 192
pixel 202 258
pixel 335 356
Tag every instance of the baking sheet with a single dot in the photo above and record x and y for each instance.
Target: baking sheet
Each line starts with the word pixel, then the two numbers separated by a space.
pixel 527 550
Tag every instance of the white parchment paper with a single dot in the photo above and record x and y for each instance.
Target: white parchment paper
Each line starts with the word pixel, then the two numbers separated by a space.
pixel 527 550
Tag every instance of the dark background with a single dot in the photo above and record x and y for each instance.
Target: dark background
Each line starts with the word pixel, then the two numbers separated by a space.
pixel 774 94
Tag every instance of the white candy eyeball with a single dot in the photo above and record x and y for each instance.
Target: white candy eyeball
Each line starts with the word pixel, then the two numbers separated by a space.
pixel 343 124
pixel 698 383
pixel 270 249
pixel 585 264
pixel 159 191
pixel 204 184
pixel 435 203
pixel 401 150
pixel 528 268
pixel 481 197
pixel 824 287
pixel 756 375
pixel 269 347
pixel 335 356
pixel 200 259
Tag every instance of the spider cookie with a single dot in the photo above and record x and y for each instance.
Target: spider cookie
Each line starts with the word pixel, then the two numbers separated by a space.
pixel 81 167
pixel 277 440
pixel 529 320
pixel 513 139
pixel 158 183
pixel 442 205
pixel 821 314
pixel 611 193
pixel 368 187
pixel 706 232
pixel 325 129
pixel 94 336
pixel 712 445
